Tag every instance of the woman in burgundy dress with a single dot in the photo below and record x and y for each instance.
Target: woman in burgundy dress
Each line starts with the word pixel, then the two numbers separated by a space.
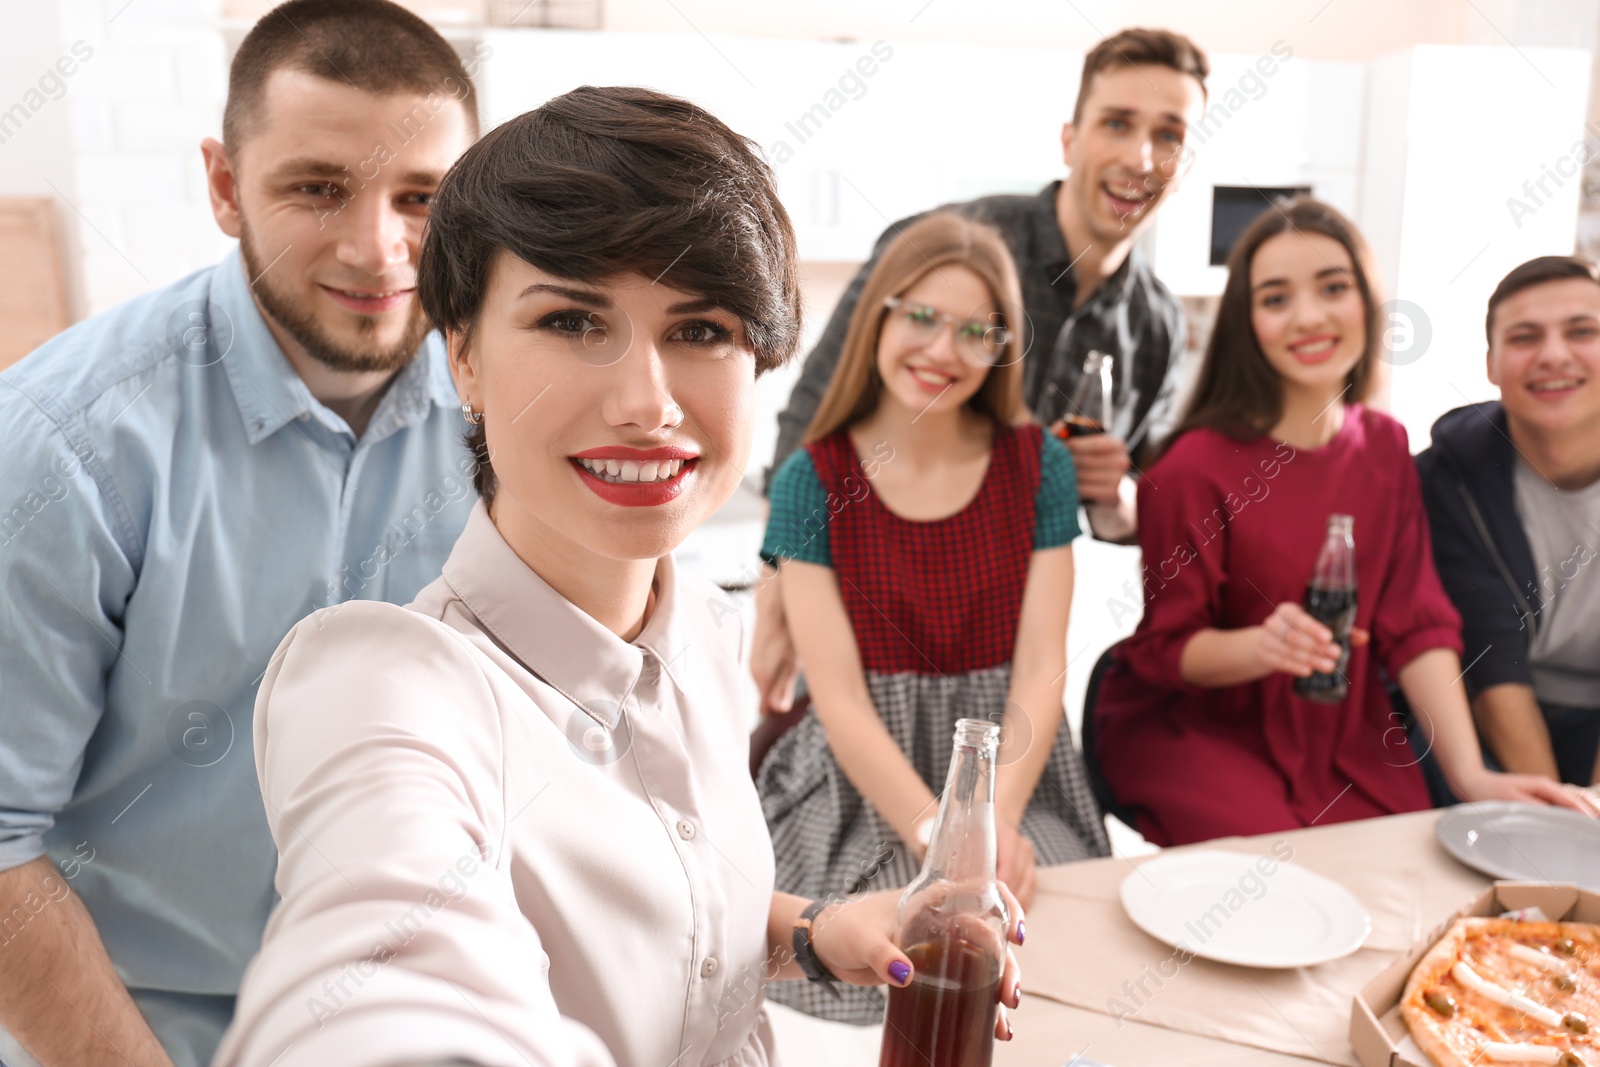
pixel 1201 733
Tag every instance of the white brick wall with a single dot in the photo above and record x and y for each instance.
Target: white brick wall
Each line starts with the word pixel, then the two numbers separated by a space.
pixel 122 72
pixel 131 177
pixel 174 127
pixel 100 224
pixel 91 124
pixel 140 107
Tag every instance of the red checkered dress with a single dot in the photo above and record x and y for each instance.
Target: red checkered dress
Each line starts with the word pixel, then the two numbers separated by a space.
pixel 935 608
pixel 940 597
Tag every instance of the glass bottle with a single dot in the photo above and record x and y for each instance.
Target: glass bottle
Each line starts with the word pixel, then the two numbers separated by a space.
pixel 952 923
pixel 1090 410
pixel 1331 600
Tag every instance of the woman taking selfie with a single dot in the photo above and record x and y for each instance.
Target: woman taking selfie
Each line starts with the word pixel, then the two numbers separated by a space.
pixel 514 818
pixel 923 536
pixel 1202 732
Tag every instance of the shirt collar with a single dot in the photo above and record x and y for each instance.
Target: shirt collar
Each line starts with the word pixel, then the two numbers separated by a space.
pixel 1056 259
pixel 269 392
pixel 551 636
pixel 421 385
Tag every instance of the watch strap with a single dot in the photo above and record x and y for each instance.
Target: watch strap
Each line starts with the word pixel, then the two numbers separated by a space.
pixel 805 952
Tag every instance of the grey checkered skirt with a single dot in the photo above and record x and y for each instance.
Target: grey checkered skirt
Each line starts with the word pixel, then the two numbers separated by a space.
pixel 828 839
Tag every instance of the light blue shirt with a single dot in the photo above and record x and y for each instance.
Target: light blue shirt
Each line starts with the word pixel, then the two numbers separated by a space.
pixel 172 501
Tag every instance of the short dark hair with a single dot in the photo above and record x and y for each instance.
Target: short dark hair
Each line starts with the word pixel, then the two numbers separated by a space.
pixel 603 181
pixel 1537 272
pixel 373 45
pixel 1237 392
pixel 1139 48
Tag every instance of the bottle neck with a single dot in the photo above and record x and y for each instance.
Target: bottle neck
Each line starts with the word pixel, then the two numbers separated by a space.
pixel 1336 561
pixel 962 847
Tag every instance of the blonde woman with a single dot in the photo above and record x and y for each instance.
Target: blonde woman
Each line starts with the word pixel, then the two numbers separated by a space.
pixel 923 537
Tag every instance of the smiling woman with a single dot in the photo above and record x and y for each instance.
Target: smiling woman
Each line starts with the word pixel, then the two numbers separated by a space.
pixel 611 272
pixel 610 360
pixel 1202 728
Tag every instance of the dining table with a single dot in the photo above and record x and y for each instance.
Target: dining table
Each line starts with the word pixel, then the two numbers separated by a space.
pixel 1099 990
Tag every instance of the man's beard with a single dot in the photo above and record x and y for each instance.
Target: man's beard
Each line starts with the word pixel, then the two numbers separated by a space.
pixel 302 324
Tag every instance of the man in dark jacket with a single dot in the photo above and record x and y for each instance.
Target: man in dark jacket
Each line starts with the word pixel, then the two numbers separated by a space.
pixel 1513 496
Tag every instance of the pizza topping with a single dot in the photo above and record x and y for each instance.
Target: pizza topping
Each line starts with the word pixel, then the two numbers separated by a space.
pixel 1528 954
pixel 1575 1022
pixel 1499 1052
pixel 1463 973
pixel 1565 982
pixel 1534 914
pixel 1571 1059
pixel 1566 947
pixel 1441 1002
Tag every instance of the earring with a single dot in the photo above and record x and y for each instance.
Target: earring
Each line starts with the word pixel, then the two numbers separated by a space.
pixel 473 417
pixel 678 421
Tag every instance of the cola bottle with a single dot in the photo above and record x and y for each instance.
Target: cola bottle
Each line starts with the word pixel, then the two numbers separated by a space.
pixel 952 923
pixel 1331 600
pixel 1090 410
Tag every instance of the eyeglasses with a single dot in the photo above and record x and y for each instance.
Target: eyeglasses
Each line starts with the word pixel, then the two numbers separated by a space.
pixel 978 340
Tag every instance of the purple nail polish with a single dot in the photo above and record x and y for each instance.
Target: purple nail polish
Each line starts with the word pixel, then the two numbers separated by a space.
pixel 1022 931
pixel 900 971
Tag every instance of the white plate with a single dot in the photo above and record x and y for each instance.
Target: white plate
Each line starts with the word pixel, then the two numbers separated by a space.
pixel 1523 841
pixel 1221 906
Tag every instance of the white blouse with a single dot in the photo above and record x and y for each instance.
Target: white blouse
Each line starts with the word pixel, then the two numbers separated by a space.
pixel 507 836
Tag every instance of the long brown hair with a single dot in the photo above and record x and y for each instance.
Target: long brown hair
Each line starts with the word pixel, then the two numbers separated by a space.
pixel 933 241
pixel 1238 392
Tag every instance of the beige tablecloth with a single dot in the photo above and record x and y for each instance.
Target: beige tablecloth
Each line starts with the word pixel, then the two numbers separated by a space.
pixel 1084 951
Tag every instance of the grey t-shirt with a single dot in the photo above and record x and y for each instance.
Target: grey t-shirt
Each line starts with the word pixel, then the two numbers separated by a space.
pixel 1564 533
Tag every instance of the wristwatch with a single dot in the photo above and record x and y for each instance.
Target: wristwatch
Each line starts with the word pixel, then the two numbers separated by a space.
pixel 805 953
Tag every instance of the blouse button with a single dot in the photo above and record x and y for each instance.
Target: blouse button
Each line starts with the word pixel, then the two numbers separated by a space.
pixel 685 829
pixel 709 967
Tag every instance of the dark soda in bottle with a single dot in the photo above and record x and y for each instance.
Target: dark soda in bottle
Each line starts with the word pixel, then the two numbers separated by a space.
pixel 1331 600
pixel 952 923
pixel 1090 409
pixel 946 1015
pixel 1079 426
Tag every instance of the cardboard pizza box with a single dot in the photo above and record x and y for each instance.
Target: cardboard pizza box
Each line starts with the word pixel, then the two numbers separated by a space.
pixel 1376 1029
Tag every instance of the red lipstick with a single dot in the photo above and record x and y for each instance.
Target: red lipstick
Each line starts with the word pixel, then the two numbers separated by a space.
pixel 637 494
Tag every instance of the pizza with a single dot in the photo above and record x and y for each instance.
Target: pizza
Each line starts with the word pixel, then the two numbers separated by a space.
pixel 1505 991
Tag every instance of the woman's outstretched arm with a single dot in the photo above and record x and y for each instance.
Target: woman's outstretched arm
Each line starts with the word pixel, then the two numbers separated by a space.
pixel 399 936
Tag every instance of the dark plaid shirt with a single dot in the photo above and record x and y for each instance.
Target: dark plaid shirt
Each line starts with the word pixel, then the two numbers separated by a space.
pixel 1131 315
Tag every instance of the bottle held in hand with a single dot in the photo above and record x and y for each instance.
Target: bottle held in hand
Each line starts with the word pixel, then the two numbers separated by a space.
pixel 1331 600
pixel 952 923
pixel 1090 411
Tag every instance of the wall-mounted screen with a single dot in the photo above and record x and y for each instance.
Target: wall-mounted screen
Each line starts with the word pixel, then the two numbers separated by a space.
pixel 1234 207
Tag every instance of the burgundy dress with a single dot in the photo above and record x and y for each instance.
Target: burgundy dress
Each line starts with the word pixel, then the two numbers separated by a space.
pixel 1228 530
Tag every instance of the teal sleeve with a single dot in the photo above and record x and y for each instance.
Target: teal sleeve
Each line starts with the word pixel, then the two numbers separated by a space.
pixel 1055 510
pixel 797 524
